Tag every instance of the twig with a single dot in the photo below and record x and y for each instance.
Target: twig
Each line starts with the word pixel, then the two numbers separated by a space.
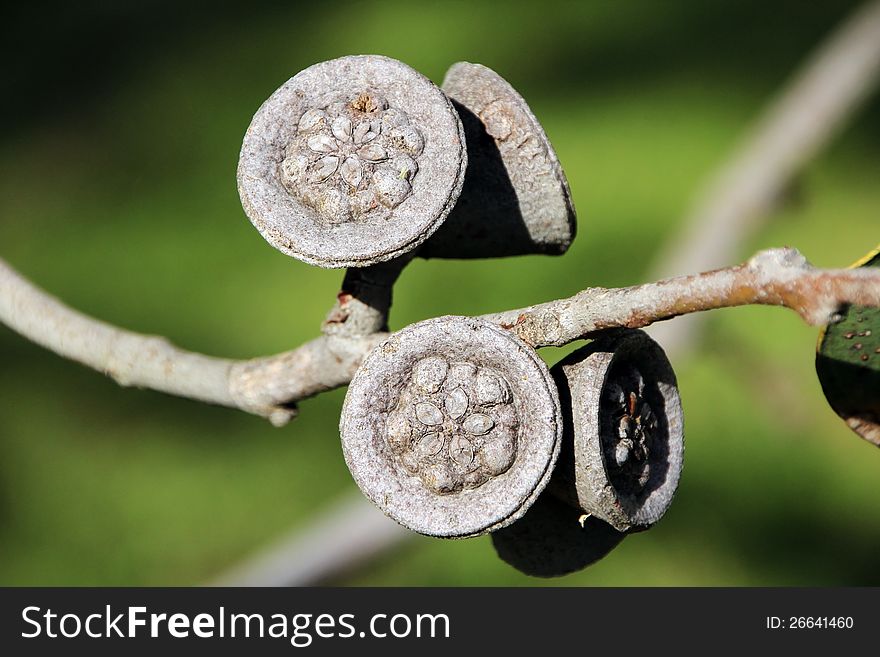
pixel 807 114
pixel 271 386
pixel 267 387
pixel 776 277
pixel 131 359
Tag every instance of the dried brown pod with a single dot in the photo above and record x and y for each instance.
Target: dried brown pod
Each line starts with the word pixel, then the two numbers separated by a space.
pixel 624 436
pixel 452 427
pixel 351 162
pixel 515 199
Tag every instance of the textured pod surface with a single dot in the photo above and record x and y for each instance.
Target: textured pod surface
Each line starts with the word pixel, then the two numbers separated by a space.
pixel 624 435
pixel 452 427
pixel 553 539
pixel 352 161
pixel 515 199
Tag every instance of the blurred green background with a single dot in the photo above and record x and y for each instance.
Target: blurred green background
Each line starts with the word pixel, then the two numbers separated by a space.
pixel 118 147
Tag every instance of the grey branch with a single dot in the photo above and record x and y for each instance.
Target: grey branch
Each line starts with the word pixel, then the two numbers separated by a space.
pixel 272 386
pixel 814 106
pixel 776 277
pixel 269 387
pixel 131 359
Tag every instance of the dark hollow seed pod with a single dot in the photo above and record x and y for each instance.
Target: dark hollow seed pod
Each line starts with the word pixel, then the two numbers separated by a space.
pixel 351 162
pixel 624 437
pixel 515 198
pixel 452 427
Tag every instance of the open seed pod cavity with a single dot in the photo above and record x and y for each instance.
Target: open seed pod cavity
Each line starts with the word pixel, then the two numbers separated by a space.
pixel 624 437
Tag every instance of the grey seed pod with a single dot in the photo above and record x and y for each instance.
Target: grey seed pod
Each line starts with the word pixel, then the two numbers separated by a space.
pixel 554 539
pixel 515 199
pixel 351 162
pixel 624 436
pixel 452 426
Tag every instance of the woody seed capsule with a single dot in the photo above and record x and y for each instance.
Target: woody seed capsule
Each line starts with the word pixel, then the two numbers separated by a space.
pixel 351 162
pixel 452 426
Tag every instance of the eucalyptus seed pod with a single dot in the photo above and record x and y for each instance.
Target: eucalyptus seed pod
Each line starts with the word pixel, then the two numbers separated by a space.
pixel 516 198
pixel 452 426
pixel 351 162
pixel 624 436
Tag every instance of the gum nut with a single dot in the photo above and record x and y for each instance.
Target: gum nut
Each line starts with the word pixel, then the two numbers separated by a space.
pixel 462 374
pixel 311 119
pixel 339 115
pixel 295 167
pixel 491 389
pixel 478 481
pixel 391 190
pixel 429 373
pixel 606 474
pixel 515 199
pixel 398 432
pixel 406 138
pixel 456 403
pixel 333 202
pixel 404 167
pixel 498 453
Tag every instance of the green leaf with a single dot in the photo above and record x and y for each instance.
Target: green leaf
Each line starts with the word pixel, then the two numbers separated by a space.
pixel 848 364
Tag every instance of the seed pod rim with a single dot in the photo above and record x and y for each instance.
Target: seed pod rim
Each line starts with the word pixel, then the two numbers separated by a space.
pixel 291 226
pixel 516 198
pixel 583 475
pixel 401 495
